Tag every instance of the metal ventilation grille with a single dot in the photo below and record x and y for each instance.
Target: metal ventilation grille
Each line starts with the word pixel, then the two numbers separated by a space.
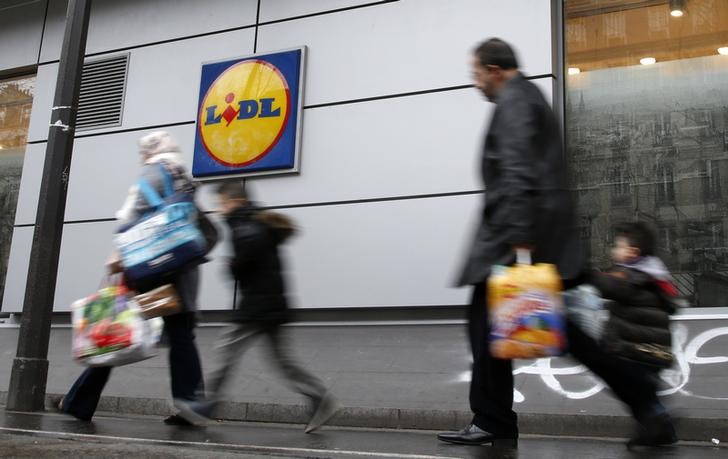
pixel 101 100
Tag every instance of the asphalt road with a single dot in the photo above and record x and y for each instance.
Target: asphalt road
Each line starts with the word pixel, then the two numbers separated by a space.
pixel 58 436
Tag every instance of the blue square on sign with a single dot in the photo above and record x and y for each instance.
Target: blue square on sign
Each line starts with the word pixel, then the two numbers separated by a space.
pixel 249 115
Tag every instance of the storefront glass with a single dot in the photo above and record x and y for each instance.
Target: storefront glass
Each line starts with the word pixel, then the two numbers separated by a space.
pixel 16 99
pixel 647 130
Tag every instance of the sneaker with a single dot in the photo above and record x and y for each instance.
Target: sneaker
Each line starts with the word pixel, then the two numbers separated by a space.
pixel 195 412
pixel 322 412
pixel 176 420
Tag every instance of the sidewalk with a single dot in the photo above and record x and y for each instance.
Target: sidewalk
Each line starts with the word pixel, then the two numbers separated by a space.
pixel 409 377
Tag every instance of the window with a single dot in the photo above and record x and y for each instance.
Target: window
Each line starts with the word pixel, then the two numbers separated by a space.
pixel 647 129
pixel 16 99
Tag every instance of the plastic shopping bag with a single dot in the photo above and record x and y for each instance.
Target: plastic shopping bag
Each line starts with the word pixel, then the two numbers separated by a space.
pixel 525 310
pixel 109 330
pixel 586 310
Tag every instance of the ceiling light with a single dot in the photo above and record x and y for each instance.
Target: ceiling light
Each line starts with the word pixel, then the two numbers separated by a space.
pixel 723 51
pixel 648 60
pixel 577 70
pixel 677 8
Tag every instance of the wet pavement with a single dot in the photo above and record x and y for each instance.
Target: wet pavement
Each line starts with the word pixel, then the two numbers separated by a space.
pixel 57 436
pixel 413 377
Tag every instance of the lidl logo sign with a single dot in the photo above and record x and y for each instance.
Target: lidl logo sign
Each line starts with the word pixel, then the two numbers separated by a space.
pixel 248 116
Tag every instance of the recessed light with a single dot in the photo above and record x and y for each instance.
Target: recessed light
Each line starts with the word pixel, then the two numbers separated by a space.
pixel 574 70
pixel 677 8
pixel 648 60
pixel 723 50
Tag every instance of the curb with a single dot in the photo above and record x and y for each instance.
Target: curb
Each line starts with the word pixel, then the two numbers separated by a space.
pixel 575 425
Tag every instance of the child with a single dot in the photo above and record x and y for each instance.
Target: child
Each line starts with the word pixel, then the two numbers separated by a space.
pixel 262 307
pixel 638 329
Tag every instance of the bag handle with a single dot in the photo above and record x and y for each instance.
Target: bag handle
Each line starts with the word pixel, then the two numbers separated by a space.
pixel 150 194
pixel 523 256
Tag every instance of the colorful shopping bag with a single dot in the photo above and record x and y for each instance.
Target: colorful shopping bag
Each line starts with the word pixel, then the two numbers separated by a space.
pixel 109 330
pixel 525 310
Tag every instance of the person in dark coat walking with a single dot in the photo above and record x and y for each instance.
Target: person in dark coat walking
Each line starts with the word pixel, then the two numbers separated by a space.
pixel 526 205
pixel 261 310
pixel 156 150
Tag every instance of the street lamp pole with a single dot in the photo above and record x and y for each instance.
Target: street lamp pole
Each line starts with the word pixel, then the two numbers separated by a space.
pixel 30 367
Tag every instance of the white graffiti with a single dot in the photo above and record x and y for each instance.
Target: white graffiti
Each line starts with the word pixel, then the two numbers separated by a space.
pixel 676 378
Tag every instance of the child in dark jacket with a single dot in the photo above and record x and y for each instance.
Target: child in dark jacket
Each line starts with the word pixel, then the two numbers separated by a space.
pixel 641 298
pixel 262 306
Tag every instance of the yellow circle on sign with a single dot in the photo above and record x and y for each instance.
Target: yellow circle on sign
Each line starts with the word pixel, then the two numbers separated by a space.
pixel 244 113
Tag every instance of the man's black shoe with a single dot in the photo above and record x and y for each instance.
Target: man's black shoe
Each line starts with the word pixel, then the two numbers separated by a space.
pixel 474 435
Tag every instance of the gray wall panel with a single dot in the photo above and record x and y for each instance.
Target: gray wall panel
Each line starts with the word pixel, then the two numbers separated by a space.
pixel 21 25
pixel 396 253
pixel 30 184
pixel 118 24
pixel 408 45
pixel 163 81
pixel 17 274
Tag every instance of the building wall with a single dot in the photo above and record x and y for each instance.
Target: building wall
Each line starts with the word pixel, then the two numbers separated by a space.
pixel 387 193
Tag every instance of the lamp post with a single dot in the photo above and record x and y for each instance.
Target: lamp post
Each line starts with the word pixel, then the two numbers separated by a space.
pixel 30 367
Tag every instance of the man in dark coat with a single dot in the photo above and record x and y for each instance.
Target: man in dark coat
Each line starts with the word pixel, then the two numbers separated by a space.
pixel 527 205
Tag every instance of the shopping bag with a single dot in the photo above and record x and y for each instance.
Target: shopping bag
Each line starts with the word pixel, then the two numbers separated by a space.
pixel 525 310
pixel 109 330
pixel 585 308
pixel 163 240
pixel 159 302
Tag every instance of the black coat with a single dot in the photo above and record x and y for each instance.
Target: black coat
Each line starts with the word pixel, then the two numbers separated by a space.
pixel 639 316
pixel 257 265
pixel 526 200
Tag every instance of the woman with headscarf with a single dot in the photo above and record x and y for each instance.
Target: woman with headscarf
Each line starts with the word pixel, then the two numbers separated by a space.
pixel 155 149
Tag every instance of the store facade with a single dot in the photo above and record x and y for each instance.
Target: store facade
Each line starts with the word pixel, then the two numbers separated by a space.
pixel 386 189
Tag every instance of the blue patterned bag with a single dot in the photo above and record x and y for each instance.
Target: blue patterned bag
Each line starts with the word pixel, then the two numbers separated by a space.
pixel 163 240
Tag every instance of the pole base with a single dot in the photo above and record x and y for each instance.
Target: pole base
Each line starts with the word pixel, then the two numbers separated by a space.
pixel 27 385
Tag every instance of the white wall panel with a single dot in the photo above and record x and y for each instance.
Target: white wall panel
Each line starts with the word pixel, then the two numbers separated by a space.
pixel 354 151
pixel 17 274
pixel 117 24
pixel 102 170
pixel 395 253
pixel 45 87
pixel 21 27
pixel 409 45
pixel 392 147
pixel 84 250
pixel 272 10
pixel 163 81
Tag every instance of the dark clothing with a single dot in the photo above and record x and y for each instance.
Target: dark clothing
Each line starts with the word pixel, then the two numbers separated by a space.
pixel 491 386
pixel 639 316
pixel 526 198
pixel 236 339
pixel 263 306
pixel 184 363
pixel 257 266
pixel 634 384
pixel 526 202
